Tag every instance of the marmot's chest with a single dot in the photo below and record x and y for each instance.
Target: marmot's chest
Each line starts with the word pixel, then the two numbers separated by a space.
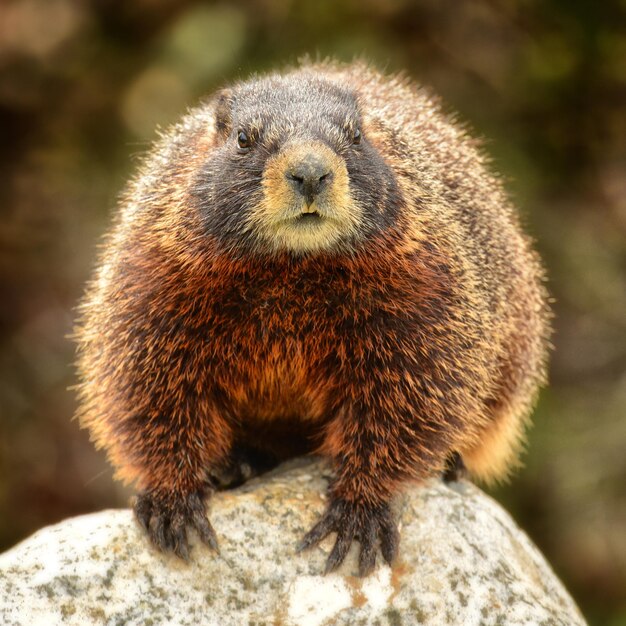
pixel 281 380
pixel 277 358
pixel 288 343
pixel 284 349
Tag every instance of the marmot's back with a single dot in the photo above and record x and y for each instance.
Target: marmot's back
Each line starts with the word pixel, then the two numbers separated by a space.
pixel 317 260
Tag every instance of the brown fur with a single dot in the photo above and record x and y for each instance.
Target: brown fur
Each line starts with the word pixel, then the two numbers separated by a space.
pixel 387 352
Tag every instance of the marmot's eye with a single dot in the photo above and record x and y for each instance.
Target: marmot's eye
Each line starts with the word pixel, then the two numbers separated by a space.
pixel 356 138
pixel 243 141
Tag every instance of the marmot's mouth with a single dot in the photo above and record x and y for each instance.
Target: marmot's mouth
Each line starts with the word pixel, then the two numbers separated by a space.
pixel 309 218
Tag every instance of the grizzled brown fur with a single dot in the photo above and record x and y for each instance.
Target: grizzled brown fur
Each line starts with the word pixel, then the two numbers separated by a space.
pixel 312 261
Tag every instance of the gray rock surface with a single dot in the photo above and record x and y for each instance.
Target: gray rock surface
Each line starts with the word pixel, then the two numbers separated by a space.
pixel 462 561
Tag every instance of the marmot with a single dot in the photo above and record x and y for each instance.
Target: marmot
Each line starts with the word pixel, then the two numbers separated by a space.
pixel 317 261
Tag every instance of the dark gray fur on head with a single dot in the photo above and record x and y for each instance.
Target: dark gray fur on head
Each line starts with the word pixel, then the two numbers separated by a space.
pixel 273 111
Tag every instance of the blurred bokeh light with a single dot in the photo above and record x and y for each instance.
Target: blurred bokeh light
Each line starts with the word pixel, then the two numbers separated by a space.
pixel 83 88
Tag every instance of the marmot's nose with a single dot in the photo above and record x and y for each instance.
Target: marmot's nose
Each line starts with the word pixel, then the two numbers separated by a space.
pixel 309 176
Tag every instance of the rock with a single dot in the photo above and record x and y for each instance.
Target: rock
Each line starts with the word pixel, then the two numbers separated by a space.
pixel 462 561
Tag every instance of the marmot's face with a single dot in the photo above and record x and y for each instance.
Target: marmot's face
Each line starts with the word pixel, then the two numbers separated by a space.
pixel 293 169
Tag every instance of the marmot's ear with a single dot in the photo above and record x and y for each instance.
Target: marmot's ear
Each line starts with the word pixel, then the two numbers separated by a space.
pixel 223 111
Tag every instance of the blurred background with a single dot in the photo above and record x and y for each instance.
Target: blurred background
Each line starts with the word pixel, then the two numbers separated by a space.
pixel 83 87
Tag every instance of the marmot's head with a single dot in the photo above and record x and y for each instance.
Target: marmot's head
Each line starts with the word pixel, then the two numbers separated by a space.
pixel 293 169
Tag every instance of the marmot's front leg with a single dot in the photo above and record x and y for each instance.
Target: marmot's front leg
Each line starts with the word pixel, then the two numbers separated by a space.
pixel 174 460
pixel 374 450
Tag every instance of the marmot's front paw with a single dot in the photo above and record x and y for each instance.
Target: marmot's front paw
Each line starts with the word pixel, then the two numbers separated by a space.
pixel 367 524
pixel 165 518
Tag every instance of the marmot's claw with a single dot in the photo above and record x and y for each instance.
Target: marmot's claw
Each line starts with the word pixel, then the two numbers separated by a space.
pixel 367 524
pixel 165 519
pixel 201 523
pixel 326 525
